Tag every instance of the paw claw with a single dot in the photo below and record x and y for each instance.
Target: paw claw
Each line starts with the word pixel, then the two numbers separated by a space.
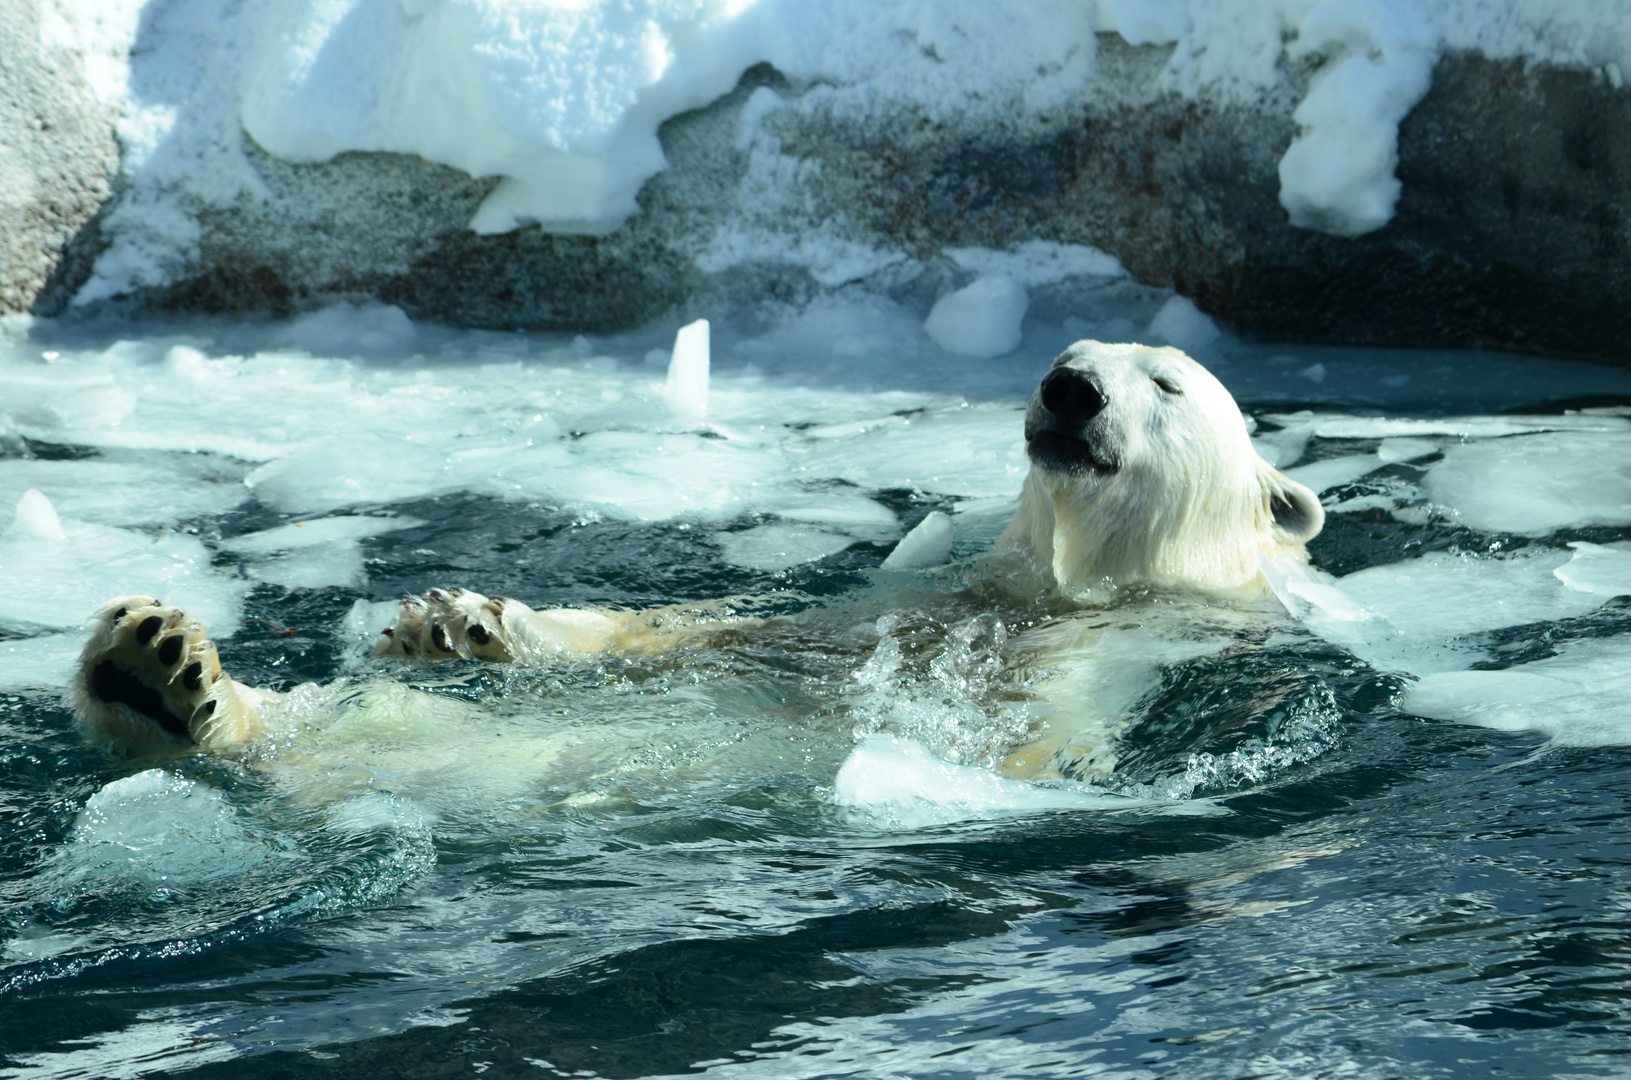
pixel 150 675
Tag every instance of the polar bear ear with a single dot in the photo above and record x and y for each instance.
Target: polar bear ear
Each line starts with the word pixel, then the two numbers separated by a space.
pixel 1295 510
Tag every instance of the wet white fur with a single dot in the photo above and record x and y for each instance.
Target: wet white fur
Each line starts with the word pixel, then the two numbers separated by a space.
pixel 1190 505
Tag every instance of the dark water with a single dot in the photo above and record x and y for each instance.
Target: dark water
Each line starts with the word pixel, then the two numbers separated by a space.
pixel 1358 892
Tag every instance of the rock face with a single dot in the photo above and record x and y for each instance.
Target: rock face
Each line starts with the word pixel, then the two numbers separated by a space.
pixel 58 159
pixel 1511 233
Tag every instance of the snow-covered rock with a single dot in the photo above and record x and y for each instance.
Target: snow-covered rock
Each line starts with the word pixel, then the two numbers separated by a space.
pixel 1423 171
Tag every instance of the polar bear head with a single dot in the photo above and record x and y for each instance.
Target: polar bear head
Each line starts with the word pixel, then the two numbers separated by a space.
pixel 1142 473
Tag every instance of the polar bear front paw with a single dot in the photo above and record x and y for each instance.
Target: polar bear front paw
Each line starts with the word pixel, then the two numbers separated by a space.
pixel 149 674
pixel 445 623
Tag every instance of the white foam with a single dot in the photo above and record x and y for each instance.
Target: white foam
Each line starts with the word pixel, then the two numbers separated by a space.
pixel 928 544
pixel 158 828
pixel 898 784
pixel 981 319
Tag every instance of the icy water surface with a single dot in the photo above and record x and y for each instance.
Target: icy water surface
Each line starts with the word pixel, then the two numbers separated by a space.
pixel 1376 830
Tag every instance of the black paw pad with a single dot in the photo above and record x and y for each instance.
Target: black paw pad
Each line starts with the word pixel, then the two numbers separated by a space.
pixel 192 676
pixel 479 635
pixel 170 649
pixel 438 638
pixel 148 627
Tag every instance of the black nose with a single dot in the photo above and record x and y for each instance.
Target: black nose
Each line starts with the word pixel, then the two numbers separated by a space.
pixel 1071 395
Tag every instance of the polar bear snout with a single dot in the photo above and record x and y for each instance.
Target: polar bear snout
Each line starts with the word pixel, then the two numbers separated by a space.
pixel 1060 433
pixel 1072 396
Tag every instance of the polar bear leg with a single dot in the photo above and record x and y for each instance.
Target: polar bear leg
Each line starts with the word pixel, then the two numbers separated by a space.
pixel 445 623
pixel 149 677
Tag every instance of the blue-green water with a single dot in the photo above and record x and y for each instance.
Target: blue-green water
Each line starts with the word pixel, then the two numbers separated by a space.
pixel 641 867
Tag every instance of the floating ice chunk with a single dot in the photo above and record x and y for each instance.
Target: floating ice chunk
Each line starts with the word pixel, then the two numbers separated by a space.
pixel 1405 449
pixel 1602 569
pixel 928 544
pixel 861 518
pixel 777 547
pixel 1427 607
pixel 1334 472
pixel 36 518
pixel 57 580
pixel 351 470
pixel 1181 323
pixel 899 784
pixel 1337 176
pixel 981 319
pixel 1536 484
pixel 1578 697
pixel 1283 447
pixel 687 386
pixel 46 660
pixel 304 534
pixel 967 451
pixel 1340 426
pixel 345 329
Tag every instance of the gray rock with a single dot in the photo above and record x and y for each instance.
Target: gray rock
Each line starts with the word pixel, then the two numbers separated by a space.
pixel 58 160
pixel 1511 232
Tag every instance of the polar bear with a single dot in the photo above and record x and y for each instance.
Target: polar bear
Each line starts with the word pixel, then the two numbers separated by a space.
pixel 1143 477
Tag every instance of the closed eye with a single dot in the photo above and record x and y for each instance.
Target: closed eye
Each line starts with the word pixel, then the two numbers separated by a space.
pixel 1167 385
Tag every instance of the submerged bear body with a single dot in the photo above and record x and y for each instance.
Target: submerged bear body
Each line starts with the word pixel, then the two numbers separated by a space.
pixel 1143 478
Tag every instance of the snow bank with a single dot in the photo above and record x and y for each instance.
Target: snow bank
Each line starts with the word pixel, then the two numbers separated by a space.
pixel 563 101
pixel 1337 176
